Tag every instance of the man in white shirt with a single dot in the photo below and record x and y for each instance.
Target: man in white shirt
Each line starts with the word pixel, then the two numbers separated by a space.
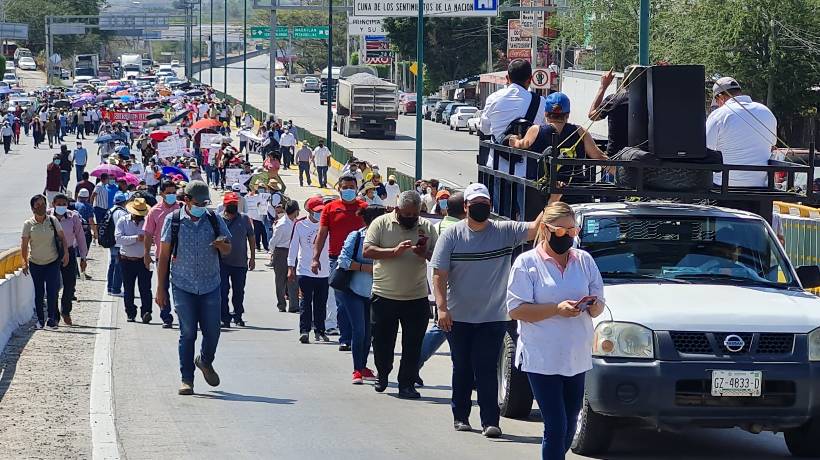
pixel 393 191
pixel 247 121
pixel 279 243
pixel 503 107
pixel 314 286
pixel 286 143
pixel 202 109
pixel 743 131
pixel 321 158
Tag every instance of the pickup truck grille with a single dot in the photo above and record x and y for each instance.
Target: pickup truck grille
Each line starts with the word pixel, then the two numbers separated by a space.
pixel 711 343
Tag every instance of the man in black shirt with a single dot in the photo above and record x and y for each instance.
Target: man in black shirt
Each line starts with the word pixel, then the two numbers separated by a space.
pixel 615 108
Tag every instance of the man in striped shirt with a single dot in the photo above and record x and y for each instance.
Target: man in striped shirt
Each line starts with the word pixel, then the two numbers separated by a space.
pixel 99 198
pixel 471 263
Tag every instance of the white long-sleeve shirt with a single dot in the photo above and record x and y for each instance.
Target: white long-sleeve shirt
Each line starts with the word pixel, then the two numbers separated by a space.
pixel 300 254
pixel 127 234
pixel 281 232
pixel 287 140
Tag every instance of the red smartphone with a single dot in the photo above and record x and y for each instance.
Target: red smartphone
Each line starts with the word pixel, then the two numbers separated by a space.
pixel 422 241
pixel 586 302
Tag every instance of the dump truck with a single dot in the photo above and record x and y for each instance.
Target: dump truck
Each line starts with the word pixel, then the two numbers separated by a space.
pixel 366 106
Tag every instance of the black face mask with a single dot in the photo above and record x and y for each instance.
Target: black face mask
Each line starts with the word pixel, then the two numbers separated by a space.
pixel 231 208
pixel 479 212
pixel 407 222
pixel 560 244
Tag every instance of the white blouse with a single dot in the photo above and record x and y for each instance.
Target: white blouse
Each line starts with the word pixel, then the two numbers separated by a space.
pixel 556 345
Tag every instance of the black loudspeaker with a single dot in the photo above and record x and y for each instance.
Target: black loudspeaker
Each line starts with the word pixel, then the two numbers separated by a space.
pixel 638 125
pixel 676 98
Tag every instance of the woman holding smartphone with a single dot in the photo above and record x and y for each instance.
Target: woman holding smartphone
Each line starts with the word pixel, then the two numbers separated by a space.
pixel 554 291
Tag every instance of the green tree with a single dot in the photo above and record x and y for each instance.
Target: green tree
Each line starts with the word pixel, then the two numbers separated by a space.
pixel 34 12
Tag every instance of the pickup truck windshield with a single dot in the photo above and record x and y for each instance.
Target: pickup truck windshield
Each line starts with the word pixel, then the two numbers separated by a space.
pixel 695 249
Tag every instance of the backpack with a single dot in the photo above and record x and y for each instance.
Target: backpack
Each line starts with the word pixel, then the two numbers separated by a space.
pixel 519 126
pixel 107 228
pixel 175 220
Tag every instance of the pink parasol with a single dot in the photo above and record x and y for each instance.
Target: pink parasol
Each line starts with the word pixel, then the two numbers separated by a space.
pixel 109 169
pixel 131 179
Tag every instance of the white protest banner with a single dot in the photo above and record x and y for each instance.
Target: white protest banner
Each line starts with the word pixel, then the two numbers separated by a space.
pixel 232 176
pixel 242 179
pixel 206 139
pixel 172 146
pixel 365 26
pixel 432 8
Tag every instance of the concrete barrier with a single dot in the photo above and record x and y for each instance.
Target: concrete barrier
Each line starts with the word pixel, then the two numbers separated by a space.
pixel 16 303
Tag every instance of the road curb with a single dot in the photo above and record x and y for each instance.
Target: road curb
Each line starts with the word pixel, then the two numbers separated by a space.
pixel 104 441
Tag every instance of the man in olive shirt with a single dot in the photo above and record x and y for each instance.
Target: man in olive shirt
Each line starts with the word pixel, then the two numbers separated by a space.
pixel 400 244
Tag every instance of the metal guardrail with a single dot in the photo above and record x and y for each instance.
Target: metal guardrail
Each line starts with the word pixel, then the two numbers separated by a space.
pixel 797 209
pixel 11 260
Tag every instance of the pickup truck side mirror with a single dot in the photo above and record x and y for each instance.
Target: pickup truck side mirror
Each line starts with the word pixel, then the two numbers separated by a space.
pixel 809 276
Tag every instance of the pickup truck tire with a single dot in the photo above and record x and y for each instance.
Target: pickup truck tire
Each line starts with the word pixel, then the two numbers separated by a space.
pixel 514 392
pixel 803 441
pixel 593 433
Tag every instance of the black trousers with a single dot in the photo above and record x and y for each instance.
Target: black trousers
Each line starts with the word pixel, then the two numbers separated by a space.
pixel 260 234
pixel 386 315
pixel 313 305
pixel 135 271
pixel 69 280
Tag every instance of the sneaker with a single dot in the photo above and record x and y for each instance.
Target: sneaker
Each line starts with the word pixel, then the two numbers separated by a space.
pixel 207 371
pixel 39 325
pixel 317 337
pixel 419 382
pixel 491 432
pixel 344 347
pixel 357 378
pixel 332 331
pixel 146 318
pixel 380 385
pixel 304 338
pixel 408 393
pixel 462 426
pixel 226 324
pixel 116 294
pixel 67 319
pixel 368 375
pixel 186 388
pixel 167 325
pixel 131 319
pixel 324 337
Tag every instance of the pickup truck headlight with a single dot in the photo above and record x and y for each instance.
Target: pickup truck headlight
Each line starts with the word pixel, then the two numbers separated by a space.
pixel 814 345
pixel 623 340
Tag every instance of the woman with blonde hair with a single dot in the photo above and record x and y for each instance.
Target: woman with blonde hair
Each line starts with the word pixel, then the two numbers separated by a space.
pixel 554 291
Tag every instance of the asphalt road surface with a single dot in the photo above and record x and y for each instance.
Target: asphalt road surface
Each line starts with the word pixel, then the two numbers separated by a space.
pixel 448 155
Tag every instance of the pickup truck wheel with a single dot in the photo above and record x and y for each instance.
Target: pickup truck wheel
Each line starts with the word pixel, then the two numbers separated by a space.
pixel 593 433
pixel 803 441
pixel 514 392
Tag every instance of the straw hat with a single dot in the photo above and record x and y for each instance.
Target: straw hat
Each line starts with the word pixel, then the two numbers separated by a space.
pixel 138 207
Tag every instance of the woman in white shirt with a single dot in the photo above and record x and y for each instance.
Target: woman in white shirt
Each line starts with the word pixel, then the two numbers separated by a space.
pixel 554 291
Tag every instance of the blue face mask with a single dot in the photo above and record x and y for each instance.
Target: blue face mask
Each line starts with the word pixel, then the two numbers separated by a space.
pixel 348 194
pixel 60 209
pixel 198 211
pixel 57 161
pixel 442 204
pixel 317 215
pixel 170 199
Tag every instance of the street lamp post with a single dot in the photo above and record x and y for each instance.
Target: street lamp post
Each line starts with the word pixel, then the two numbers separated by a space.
pixel 211 47
pixel 199 54
pixel 245 54
pixel 643 34
pixel 329 127
pixel 225 54
pixel 419 85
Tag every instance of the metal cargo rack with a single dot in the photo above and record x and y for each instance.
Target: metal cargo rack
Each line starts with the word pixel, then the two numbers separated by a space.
pixel 512 199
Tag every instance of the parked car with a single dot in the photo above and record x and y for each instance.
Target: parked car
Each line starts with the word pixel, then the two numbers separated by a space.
pixel 460 116
pixel 311 84
pixel 10 78
pixel 27 63
pixel 281 81
pixel 174 62
pixel 448 111
pixel 407 103
pixel 474 123
pixel 438 109
pixel 427 106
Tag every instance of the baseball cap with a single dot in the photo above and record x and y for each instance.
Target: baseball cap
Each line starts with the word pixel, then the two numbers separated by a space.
pixel 120 197
pixel 476 190
pixel 391 177
pixel 230 197
pixel 198 190
pixel 442 194
pixel 557 102
pixel 724 84
pixel 315 204
pixel 83 193
pixel 236 187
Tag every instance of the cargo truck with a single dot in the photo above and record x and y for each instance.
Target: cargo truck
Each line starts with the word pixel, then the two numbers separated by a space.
pixel 366 106
pixel 131 65
pixel 85 67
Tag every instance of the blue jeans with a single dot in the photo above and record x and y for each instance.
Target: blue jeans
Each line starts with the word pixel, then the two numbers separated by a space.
pixel 304 168
pixel 357 309
pixel 46 286
pixel 433 340
pixel 193 310
pixel 560 399
pixel 321 171
pixel 313 305
pixel 114 272
pixel 233 278
pixel 474 349
pixel 342 320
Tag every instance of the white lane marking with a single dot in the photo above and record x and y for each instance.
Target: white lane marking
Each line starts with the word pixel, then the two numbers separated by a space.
pixel 103 430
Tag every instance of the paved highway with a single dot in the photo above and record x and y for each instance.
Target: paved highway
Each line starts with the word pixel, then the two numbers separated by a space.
pixel 448 155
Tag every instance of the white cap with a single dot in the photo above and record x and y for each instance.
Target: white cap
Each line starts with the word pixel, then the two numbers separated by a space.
pixel 725 84
pixel 83 193
pixel 235 187
pixel 476 190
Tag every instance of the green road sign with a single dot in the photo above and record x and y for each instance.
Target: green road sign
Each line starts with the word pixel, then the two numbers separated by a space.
pixel 310 33
pixel 263 32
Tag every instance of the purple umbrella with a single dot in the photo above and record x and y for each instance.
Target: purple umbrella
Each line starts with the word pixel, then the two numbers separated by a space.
pixel 111 170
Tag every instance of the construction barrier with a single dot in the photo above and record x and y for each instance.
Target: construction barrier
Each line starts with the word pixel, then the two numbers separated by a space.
pixel 16 295
pixel 794 209
pixel 801 237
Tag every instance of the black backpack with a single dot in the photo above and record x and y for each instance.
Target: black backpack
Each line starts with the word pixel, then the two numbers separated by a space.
pixel 519 126
pixel 107 228
pixel 175 219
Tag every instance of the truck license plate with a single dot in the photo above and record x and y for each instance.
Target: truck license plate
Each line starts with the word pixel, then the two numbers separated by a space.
pixel 373 122
pixel 737 383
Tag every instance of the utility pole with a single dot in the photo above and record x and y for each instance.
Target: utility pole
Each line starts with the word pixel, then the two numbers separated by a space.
pixel 643 34
pixel 212 47
pixel 329 127
pixel 772 64
pixel 199 54
pixel 225 54
pixel 489 45
pixel 272 64
pixel 347 42
pixel 419 86
pixel 244 54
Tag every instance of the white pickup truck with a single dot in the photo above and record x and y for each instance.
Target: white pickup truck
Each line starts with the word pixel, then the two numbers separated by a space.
pixel 707 324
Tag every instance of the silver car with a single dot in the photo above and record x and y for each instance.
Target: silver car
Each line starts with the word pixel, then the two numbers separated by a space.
pixel 311 84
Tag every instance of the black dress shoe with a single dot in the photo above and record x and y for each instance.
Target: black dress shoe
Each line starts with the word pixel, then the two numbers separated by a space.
pixel 226 324
pixel 409 393
pixel 380 385
pixel 419 382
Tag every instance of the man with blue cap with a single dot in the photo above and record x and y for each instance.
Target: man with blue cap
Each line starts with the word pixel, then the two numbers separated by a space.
pixel 573 142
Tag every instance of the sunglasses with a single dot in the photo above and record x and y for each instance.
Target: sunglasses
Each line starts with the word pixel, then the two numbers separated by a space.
pixel 561 231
